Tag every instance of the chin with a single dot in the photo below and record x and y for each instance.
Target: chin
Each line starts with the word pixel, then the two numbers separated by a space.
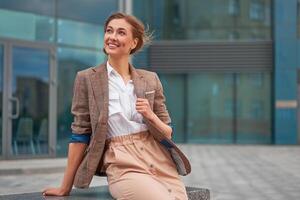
pixel 114 54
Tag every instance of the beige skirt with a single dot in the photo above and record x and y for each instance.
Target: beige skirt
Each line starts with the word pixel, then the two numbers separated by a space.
pixel 139 168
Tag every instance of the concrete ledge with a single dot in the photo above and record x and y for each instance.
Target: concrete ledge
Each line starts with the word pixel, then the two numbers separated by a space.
pixel 98 193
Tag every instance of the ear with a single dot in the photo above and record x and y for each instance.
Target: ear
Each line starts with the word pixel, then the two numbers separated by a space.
pixel 134 43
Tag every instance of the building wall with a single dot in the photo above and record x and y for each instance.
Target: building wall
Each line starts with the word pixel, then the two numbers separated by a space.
pixel 252 105
pixel 285 73
pixel 213 104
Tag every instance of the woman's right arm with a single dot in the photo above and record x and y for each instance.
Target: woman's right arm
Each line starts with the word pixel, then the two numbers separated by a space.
pixel 81 129
pixel 75 155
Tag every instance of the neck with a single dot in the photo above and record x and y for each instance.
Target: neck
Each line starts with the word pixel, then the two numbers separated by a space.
pixel 120 64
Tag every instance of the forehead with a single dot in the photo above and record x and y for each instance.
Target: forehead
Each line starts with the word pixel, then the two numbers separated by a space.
pixel 119 23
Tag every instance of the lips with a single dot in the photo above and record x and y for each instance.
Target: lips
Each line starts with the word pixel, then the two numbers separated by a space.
pixel 112 45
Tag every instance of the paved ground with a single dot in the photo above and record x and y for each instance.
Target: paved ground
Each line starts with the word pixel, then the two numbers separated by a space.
pixel 231 172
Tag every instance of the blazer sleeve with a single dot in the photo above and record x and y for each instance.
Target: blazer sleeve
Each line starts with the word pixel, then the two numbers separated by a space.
pixel 80 106
pixel 159 106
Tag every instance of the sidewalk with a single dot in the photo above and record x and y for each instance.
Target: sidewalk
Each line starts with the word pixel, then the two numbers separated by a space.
pixel 231 172
pixel 32 166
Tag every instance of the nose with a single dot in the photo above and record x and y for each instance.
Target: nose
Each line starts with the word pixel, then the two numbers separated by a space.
pixel 112 36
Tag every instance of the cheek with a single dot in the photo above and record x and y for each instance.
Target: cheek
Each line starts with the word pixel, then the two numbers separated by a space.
pixel 125 43
pixel 105 40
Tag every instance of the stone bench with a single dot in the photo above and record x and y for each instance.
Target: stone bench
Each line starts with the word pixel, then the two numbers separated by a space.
pixel 98 193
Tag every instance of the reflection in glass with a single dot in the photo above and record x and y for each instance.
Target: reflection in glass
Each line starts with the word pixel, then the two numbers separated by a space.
pixel 210 108
pixel 93 12
pixel 70 61
pixel 229 107
pixel 43 7
pixel 80 34
pixel 200 20
pixel 298 18
pixel 254 97
pixel 30 100
pixel 26 26
pixel 173 85
pixel 1 95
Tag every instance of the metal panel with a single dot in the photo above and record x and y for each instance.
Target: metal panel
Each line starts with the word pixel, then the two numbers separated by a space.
pixel 187 56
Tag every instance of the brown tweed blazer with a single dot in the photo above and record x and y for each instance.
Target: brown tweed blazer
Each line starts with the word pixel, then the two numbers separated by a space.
pixel 90 110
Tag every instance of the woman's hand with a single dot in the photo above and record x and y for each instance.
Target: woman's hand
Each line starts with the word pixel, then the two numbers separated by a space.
pixel 55 192
pixel 143 107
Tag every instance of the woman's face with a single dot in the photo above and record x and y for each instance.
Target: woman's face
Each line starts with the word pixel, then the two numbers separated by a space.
pixel 118 38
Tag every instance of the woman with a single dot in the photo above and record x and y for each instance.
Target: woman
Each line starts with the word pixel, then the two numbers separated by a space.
pixel 121 124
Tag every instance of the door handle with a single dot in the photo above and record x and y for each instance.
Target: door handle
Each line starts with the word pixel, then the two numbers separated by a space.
pixel 15 115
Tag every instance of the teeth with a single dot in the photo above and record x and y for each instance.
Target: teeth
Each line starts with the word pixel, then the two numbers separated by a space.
pixel 112 45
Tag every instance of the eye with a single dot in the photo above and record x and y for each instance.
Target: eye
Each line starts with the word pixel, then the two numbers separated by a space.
pixel 108 30
pixel 122 33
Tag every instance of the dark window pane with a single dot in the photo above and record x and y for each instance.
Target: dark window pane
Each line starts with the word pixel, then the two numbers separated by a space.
pixel 30 86
pixel 70 61
pixel 210 109
pixel 80 34
pixel 26 26
pixel 298 18
pixel 1 94
pixel 40 7
pixel 207 20
pixel 254 97
pixel 173 85
pixel 80 23
pixel 92 11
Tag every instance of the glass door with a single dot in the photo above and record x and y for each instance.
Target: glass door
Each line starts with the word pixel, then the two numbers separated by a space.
pixel 29 100
pixel 1 97
pixel 298 103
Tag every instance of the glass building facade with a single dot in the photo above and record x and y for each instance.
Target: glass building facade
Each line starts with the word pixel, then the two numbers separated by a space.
pixel 42 47
pixel 220 106
pixel 214 20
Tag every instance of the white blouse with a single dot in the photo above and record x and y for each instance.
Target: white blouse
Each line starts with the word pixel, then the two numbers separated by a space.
pixel 123 118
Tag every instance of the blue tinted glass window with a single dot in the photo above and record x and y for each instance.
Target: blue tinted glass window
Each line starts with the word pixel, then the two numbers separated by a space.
pixel 200 20
pixel 70 61
pixel 95 11
pixel 26 26
pixel 40 7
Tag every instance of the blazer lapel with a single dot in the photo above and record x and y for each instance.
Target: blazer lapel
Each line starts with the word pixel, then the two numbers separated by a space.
pixel 99 82
pixel 138 82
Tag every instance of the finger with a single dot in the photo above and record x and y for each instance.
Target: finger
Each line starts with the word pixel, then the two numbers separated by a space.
pixel 49 193
pixel 141 99
pixel 140 107
pixel 141 110
pixel 45 190
pixel 140 103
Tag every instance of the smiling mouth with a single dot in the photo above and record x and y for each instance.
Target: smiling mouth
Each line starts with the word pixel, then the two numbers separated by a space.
pixel 112 45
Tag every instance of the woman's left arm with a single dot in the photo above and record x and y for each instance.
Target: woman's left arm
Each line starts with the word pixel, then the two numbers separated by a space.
pixel 159 116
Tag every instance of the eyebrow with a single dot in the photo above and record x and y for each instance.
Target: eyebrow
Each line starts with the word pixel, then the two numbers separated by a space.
pixel 117 28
